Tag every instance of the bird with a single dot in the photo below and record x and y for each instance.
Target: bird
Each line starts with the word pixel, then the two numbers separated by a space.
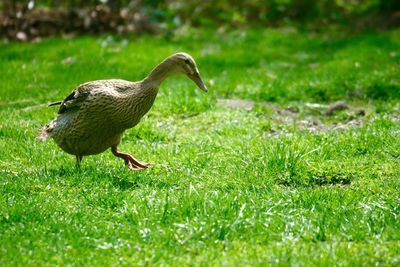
pixel 96 114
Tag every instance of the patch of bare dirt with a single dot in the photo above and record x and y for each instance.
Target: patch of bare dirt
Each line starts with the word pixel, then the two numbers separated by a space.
pixel 236 103
pixel 311 117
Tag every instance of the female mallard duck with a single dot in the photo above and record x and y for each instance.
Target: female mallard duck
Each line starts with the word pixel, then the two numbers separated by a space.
pixel 96 114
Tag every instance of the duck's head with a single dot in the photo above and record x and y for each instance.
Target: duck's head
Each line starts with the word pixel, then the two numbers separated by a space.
pixel 184 63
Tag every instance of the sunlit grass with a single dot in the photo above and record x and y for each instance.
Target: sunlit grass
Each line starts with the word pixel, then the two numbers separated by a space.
pixel 276 184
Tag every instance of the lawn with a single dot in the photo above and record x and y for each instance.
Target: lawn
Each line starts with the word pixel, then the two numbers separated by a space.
pixel 252 173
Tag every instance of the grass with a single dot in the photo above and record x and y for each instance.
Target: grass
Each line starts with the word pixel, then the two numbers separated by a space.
pixel 277 183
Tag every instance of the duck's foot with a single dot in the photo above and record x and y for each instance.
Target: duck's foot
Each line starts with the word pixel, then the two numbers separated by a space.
pixel 134 164
pixel 131 162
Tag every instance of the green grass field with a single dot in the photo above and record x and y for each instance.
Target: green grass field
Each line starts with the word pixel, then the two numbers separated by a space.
pixel 252 173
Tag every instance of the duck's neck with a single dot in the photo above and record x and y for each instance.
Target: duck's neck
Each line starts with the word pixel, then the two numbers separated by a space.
pixel 159 73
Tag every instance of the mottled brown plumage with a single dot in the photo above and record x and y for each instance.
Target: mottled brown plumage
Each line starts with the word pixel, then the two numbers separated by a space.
pixel 95 115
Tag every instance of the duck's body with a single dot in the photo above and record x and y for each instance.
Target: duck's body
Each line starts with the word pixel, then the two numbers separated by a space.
pixel 105 110
pixel 95 115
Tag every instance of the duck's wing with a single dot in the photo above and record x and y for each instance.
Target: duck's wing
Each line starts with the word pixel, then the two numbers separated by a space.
pixel 83 91
pixel 76 98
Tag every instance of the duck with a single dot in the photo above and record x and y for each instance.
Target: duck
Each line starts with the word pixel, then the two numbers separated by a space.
pixel 94 117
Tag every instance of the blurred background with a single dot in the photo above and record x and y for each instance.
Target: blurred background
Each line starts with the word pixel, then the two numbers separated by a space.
pixel 29 19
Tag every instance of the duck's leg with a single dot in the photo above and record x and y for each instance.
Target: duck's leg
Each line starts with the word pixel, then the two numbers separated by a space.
pixel 78 161
pixel 130 161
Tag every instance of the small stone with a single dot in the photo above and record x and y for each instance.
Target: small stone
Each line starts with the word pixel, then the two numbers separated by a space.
pixel 339 105
pixel 21 36
pixel 360 112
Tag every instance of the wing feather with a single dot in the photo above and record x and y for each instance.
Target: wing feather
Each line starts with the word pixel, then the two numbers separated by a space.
pixel 75 99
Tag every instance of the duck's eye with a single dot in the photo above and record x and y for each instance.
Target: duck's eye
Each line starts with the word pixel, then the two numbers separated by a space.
pixel 187 61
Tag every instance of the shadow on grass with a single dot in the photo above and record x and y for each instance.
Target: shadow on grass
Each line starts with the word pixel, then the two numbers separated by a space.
pixel 89 176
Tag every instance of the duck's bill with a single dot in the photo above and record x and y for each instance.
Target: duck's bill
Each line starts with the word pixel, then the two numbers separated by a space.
pixel 199 82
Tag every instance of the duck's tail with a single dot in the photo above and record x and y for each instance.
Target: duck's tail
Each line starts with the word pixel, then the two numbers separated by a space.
pixel 45 131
